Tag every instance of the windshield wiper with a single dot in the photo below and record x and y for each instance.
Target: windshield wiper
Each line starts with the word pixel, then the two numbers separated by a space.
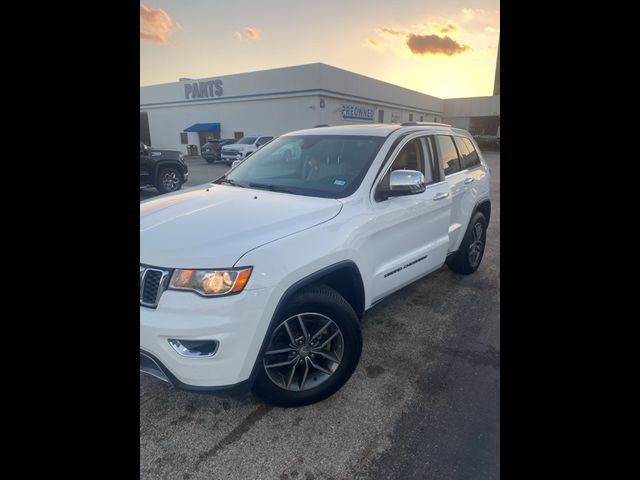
pixel 231 182
pixel 270 187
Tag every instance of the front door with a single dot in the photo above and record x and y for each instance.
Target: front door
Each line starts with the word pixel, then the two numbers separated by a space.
pixel 407 236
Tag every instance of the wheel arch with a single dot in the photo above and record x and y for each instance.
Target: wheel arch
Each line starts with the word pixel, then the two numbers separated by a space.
pixel 483 207
pixel 164 164
pixel 339 274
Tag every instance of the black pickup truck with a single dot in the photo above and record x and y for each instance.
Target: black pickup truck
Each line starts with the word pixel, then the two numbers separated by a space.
pixel 163 169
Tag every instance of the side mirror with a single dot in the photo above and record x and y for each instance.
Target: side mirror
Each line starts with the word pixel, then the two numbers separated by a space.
pixel 402 183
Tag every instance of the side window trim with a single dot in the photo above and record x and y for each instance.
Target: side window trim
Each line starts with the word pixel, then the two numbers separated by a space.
pixel 436 170
pixel 460 169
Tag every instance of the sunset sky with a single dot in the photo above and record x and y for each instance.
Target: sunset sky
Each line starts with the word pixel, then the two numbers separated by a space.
pixel 445 48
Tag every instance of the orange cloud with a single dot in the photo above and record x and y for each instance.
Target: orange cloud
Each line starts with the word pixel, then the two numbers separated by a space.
pixel 247 34
pixel 155 25
pixel 448 28
pixel 391 31
pixel 423 44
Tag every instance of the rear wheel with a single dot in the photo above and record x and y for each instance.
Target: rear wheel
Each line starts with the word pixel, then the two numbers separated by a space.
pixel 468 257
pixel 169 180
pixel 311 351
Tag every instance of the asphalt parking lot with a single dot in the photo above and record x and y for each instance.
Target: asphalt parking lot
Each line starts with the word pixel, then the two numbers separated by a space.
pixel 424 402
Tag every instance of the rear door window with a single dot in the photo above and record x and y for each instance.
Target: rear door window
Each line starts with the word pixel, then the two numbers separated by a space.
pixel 468 155
pixel 448 154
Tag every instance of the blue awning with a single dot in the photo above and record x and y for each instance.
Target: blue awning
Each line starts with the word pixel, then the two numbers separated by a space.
pixel 203 127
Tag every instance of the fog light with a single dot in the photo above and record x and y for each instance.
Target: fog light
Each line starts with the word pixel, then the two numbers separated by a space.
pixel 195 348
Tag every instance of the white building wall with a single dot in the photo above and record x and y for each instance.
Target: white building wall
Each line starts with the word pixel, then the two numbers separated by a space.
pixel 253 117
pixel 332 112
pixel 472 107
pixel 276 101
pixel 458 122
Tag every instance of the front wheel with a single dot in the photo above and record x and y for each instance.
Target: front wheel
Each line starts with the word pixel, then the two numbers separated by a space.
pixel 311 351
pixel 468 257
pixel 169 180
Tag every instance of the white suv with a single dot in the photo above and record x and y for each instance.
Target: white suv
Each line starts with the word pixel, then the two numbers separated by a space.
pixel 260 279
pixel 242 148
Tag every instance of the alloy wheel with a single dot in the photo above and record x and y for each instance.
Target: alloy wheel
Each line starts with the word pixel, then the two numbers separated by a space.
pixel 477 244
pixel 304 351
pixel 170 181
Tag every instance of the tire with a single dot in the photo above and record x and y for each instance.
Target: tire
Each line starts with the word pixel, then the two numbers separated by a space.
pixel 210 161
pixel 466 260
pixel 321 309
pixel 169 180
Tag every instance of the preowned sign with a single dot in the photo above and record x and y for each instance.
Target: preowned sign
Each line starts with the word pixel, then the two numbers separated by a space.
pixel 355 112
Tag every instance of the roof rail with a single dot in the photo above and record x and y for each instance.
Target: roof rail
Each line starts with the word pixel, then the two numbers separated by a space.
pixel 416 124
pixel 322 125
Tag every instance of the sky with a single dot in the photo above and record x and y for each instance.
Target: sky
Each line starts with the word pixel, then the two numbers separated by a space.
pixel 445 48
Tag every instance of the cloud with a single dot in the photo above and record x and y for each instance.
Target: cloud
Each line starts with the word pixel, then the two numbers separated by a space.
pixel 423 44
pixel 448 28
pixel 371 43
pixel 155 25
pixel 391 31
pixel 478 19
pixel 247 34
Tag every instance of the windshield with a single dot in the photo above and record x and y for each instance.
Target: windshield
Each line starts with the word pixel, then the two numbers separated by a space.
pixel 330 166
pixel 246 140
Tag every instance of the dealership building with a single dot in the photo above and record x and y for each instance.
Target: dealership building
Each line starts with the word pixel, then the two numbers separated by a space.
pixel 186 113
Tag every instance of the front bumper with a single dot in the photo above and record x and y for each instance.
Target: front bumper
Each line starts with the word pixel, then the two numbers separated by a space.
pixel 210 155
pixel 232 156
pixel 237 322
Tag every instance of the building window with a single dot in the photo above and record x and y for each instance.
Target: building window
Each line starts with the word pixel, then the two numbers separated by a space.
pixel 238 135
pixel 380 116
pixel 411 117
pixel 435 119
pixel 422 118
pixel 184 138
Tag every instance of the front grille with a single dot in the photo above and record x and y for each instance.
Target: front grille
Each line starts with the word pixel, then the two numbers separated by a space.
pixel 153 281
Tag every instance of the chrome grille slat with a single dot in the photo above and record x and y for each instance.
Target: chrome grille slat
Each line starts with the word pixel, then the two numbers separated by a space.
pixel 153 281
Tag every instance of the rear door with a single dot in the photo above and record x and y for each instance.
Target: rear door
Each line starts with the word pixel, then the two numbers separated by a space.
pixel 456 178
pixel 407 237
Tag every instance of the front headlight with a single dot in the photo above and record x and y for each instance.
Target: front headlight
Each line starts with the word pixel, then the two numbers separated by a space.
pixel 210 282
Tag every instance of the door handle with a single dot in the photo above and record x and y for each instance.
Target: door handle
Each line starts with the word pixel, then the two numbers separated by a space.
pixel 469 180
pixel 441 196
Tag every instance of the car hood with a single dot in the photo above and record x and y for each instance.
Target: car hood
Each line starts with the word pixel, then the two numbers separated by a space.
pixel 163 151
pixel 236 146
pixel 214 225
